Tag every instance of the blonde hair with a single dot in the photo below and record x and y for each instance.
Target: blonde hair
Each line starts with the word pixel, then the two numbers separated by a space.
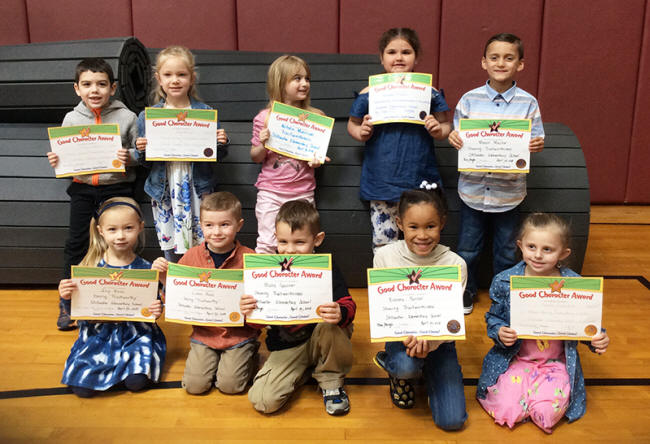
pixel 222 201
pixel 97 245
pixel 188 58
pixel 280 72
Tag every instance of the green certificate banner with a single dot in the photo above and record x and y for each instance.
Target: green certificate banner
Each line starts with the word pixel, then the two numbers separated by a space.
pixel 113 294
pixel 185 135
pixel 399 97
pixel 497 146
pixel 203 296
pixel 86 149
pixel 298 133
pixel 425 302
pixel 289 289
pixel 556 307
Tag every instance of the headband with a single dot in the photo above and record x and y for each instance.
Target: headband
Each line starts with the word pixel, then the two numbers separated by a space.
pixel 101 209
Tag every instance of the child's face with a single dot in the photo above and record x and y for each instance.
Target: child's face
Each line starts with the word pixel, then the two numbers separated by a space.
pixel 297 88
pixel 120 227
pixel 421 225
pixel 542 249
pixel 502 62
pixel 175 78
pixel 398 56
pixel 300 241
pixel 95 89
pixel 220 229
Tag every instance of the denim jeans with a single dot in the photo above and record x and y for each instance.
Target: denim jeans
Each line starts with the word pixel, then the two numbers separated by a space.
pixel 443 377
pixel 474 225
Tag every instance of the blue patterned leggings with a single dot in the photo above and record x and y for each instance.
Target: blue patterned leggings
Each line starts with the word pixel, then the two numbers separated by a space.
pixel 383 217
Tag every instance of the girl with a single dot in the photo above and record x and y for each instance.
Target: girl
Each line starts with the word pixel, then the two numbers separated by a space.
pixel 108 353
pixel 398 156
pixel 281 178
pixel 175 188
pixel 421 216
pixel 540 380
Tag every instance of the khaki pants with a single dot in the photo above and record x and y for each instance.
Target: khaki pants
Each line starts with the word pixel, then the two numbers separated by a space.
pixel 233 368
pixel 329 351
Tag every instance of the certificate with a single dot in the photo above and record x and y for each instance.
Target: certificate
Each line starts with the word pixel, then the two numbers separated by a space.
pixel 426 302
pixel 298 133
pixel 498 146
pixel 86 149
pixel 399 97
pixel 188 135
pixel 203 296
pixel 289 289
pixel 113 294
pixel 556 307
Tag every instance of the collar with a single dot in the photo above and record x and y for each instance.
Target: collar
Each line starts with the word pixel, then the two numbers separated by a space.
pixel 507 95
pixel 520 269
pixel 193 103
pixel 206 252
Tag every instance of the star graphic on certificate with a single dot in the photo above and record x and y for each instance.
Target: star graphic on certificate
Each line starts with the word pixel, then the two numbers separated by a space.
pixel 181 116
pixel 494 126
pixel 556 287
pixel 302 117
pixel 116 276
pixel 286 264
pixel 414 277
pixel 203 277
pixel 84 132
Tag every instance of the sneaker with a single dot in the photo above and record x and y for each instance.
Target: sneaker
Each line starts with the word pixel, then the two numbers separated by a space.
pixel 468 302
pixel 64 323
pixel 336 401
pixel 401 391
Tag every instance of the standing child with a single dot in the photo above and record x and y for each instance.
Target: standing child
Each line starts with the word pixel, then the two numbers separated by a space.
pixel 109 353
pixel 227 354
pixel 325 347
pixel 490 201
pixel 176 188
pixel 95 83
pixel 398 156
pixel 281 178
pixel 540 380
pixel 421 216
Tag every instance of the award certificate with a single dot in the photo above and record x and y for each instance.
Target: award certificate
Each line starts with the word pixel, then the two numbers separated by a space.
pixel 188 135
pixel 399 97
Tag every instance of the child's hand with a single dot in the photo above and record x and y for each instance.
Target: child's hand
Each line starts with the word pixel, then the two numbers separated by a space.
pixel 507 336
pixel 162 266
pixel 536 144
pixel 455 140
pixel 141 143
pixel 433 126
pixel 53 158
pixel 365 130
pixel 123 155
pixel 222 137
pixel 156 308
pixel 331 312
pixel 247 304
pixel 420 348
pixel 66 287
pixel 600 342
pixel 315 163
pixel 264 136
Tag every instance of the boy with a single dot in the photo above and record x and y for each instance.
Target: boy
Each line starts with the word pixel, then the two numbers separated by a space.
pixel 490 201
pixel 95 84
pixel 325 346
pixel 227 353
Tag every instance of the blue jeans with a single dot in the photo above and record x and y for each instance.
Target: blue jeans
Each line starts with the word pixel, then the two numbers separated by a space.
pixel 474 225
pixel 443 377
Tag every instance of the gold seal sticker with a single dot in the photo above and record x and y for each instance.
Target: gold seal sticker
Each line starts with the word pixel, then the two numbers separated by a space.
pixel 453 326
pixel 591 330
pixel 117 163
pixel 234 316
pixel 145 312
pixel 318 310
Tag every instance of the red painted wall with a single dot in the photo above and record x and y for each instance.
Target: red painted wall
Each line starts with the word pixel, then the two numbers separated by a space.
pixel 587 62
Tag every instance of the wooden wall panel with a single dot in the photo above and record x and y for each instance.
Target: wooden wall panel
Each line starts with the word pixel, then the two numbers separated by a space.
pixel 13 22
pixel 588 70
pixel 638 179
pixel 288 26
pixel 463 37
pixel 363 22
pixel 78 19
pixel 196 24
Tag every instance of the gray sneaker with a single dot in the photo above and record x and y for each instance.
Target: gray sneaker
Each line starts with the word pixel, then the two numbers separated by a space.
pixel 336 401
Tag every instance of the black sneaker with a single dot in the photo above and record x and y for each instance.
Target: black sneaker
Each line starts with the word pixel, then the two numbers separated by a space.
pixel 64 323
pixel 336 401
pixel 468 302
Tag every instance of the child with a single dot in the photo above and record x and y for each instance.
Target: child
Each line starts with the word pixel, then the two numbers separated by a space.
pixel 108 353
pixel 490 201
pixel 95 84
pixel 227 353
pixel 281 178
pixel 540 380
pixel 398 156
pixel 175 188
pixel 325 346
pixel 421 216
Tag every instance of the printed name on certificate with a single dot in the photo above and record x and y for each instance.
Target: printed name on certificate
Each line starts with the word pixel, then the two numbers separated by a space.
pixel 399 97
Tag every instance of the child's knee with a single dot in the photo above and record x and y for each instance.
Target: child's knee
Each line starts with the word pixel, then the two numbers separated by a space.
pixel 83 392
pixel 196 384
pixel 137 382
pixel 265 397
pixel 451 424
pixel 230 384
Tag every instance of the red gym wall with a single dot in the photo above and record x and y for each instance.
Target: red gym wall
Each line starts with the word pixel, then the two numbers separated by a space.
pixel 587 61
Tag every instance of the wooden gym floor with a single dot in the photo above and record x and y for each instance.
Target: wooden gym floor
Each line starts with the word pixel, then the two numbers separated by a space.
pixel 35 407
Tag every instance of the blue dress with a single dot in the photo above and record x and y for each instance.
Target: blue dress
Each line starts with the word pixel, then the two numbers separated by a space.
pixel 106 353
pixel 398 156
